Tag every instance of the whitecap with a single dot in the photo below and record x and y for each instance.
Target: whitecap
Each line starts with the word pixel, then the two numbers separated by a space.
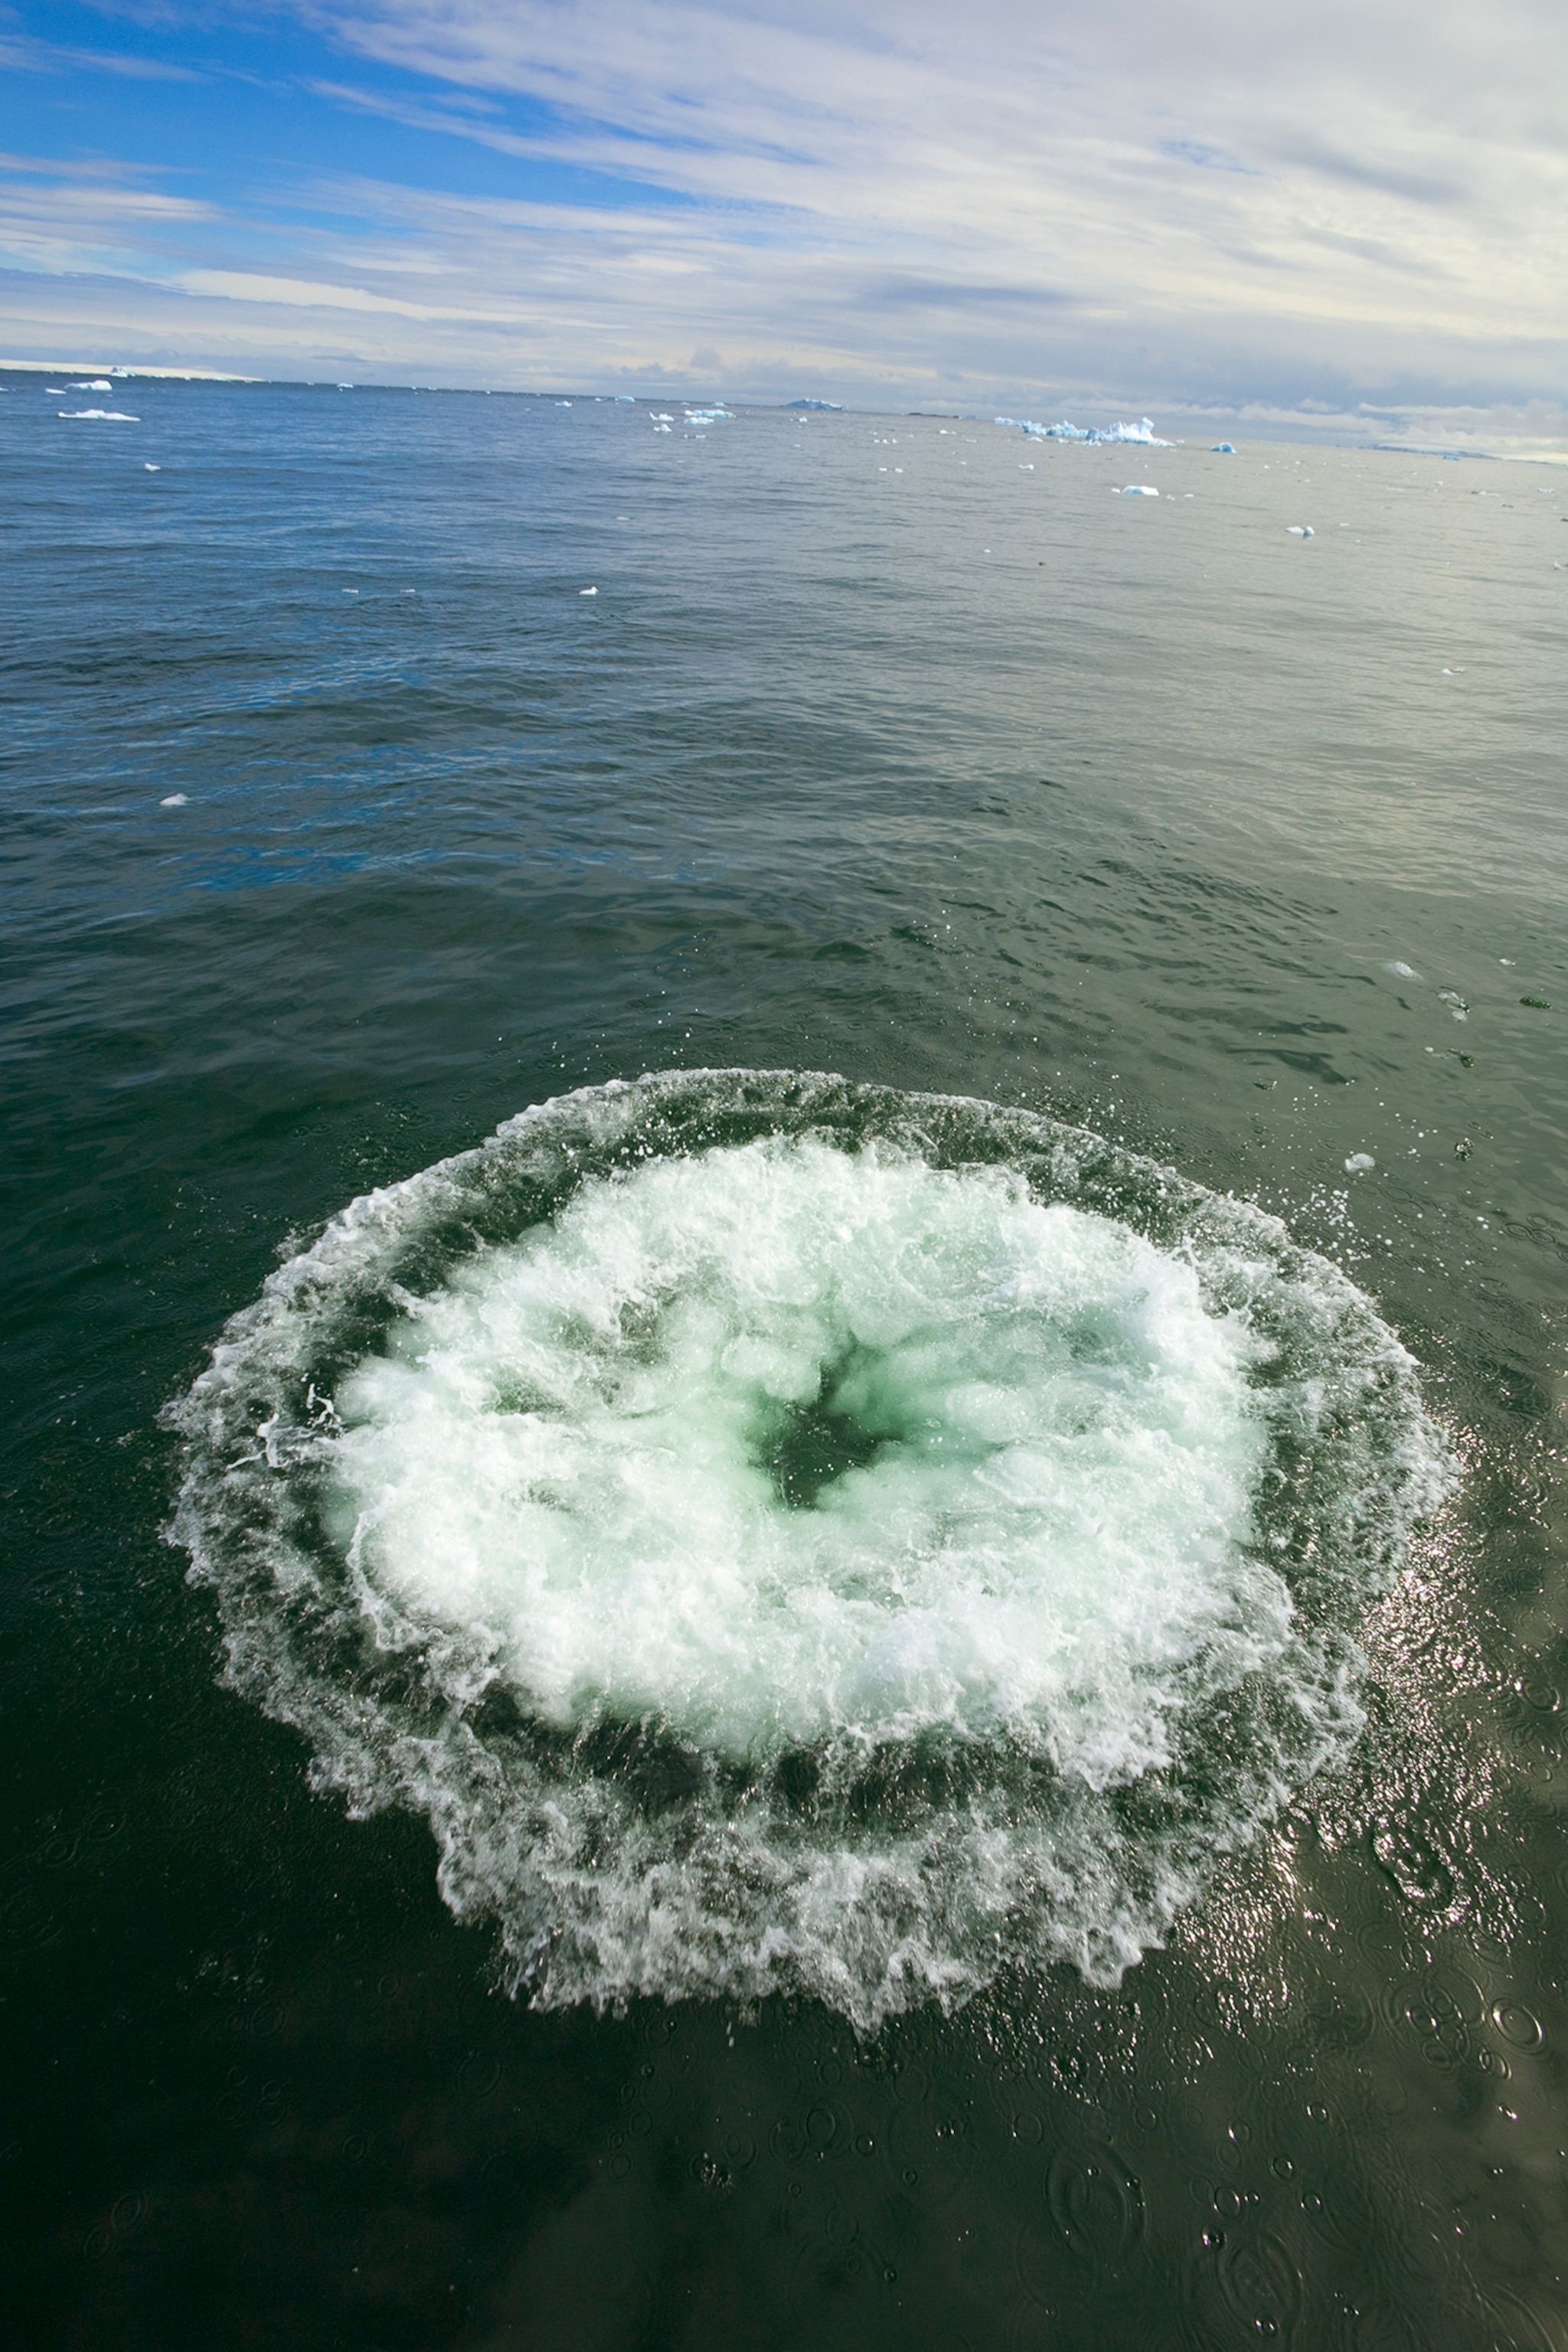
pixel 106 415
pixel 793 1535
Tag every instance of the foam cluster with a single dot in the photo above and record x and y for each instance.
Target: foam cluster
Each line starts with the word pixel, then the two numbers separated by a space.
pixel 790 1535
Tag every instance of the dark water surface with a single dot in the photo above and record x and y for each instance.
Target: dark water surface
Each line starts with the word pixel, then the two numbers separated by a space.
pixel 1246 850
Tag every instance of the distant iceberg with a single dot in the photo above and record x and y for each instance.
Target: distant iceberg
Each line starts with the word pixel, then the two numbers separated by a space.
pixel 1143 433
pixel 836 404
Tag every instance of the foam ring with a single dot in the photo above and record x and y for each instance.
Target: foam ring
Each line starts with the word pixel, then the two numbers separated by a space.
pixel 789 1534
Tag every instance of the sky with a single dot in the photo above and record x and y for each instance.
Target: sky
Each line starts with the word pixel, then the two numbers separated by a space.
pixel 1336 216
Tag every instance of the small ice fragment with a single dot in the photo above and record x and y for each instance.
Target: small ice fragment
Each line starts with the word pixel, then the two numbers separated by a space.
pixel 587 591
pixel 1222 449
pixel 1300 530
pixel 1138 490
pixel 98 384
pixel 1359 1162
pixel 149 467
pixel 626 399
pixel 173 800
pixel 351 591
pixel 1402 971
pixel 54 391
pixel 1455 1003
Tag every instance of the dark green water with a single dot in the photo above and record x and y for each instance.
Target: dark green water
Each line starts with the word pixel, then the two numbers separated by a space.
pixel 965 778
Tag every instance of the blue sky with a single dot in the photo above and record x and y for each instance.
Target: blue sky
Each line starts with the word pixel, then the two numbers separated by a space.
pixel 1346 215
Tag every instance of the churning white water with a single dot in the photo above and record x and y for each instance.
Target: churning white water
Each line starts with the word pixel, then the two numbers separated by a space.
pixel 785 1533
pixel 782 1442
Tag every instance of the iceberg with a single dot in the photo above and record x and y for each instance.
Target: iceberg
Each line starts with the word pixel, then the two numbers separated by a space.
pixel 1143 433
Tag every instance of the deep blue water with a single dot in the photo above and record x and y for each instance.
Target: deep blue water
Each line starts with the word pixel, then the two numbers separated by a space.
pixel 340 826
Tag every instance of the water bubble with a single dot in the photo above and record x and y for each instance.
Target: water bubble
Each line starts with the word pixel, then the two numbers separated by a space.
pixel 786 1534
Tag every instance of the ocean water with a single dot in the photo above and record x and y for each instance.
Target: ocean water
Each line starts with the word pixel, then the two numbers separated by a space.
pixel 904 1686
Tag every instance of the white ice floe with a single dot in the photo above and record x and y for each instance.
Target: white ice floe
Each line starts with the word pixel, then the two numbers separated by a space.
pixel 1137 490
pixel 587 591
pixel 1359 1162
pixel 1300 530
pixel 1222 449
pixel 149 467
pixel 98 384
pixel 1144 431
pixel 173 800
pixel 104 415
pixel 1402 971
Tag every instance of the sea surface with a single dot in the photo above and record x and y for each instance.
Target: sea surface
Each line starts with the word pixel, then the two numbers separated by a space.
pixel 396 1954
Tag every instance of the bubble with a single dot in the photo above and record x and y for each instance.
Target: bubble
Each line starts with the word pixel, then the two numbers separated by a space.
pixel 793 1535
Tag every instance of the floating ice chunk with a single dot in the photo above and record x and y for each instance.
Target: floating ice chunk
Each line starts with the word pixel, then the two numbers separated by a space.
pixel 54 391
pixel 1359 1162
pixel 1143 433
pixel 836 406
pixel 626 399
pixel 1455 1003
pixel 1222 449
pixel 1402 971
pixel 563 403
pixel 587 591
pixel 105 416
pixel 1300 530
pixel 1137 490
pixel 98 384
pixel 173 800
pixel 149 467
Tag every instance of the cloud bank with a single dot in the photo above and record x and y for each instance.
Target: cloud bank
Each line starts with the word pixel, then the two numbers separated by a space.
pixel 1327 212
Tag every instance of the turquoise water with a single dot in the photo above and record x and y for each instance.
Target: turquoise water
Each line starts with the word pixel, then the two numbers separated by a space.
pixel 343 828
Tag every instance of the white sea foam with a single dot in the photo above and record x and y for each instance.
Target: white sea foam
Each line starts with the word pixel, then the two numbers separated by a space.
pixel 789 1534
pixel 104 415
